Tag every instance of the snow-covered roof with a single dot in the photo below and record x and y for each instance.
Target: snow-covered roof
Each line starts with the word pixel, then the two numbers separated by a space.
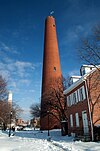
pixel 76 77
pixel 75 84
pixel 84 65
pixel 78 82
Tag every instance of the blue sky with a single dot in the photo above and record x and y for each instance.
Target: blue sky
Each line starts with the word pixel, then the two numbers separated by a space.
pixel 22 39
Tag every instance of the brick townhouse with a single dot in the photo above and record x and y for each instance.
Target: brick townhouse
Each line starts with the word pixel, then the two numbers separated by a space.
pixel 83 102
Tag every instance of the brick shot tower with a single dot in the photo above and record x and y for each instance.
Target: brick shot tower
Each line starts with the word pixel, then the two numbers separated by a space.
pixel 51 69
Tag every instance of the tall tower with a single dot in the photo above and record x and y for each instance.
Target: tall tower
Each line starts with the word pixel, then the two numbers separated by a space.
pixel 51 68
pixel 10 100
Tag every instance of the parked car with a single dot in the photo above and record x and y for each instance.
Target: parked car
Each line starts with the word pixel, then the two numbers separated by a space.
pixel 19 128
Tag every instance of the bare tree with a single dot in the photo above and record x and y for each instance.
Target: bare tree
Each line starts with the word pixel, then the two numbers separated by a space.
pixel 90 53
pixel 90 47
pixel 54 101
pixel 35 110
pixel 93 84
pixel 94 95
pixel 3 89
pixel 66 82
pixel 4 112
pixel 16 110
pixel 3 100
pixel 5 109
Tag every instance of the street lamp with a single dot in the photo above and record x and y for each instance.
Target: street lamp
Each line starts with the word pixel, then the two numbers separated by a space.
pixel 10 123
pixel 48 123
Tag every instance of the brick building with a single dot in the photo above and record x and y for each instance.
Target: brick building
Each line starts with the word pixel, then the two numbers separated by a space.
pixel 83 102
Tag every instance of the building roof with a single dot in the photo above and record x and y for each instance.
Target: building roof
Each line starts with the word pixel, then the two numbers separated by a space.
pixel 78 82
pixel 84 65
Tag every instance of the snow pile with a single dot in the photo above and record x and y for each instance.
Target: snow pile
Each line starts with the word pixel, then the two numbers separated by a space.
pixel 37 141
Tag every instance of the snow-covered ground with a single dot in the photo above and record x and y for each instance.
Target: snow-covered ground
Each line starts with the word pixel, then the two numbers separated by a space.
pixel 31 140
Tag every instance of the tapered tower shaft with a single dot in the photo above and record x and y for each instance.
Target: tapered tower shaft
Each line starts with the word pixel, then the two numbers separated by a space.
pixel 51 67
pixel 51 64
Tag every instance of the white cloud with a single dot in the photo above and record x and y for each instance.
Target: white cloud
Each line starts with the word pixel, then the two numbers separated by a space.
pixel 7 60
pixel 16 73
pixel 17 68
pixel 72 34
pixel 73 72
pixel 21 65
pixel 8 49
pixel 25 81
pixel 13 84
pixel 5 74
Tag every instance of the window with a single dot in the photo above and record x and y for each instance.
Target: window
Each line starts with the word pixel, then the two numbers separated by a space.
pixel 77 96
pixel 82 93
pixel 83 72
pixel 69 101
pixel 77 120
pixel 54 69
pixel 74 98
pixel 71 120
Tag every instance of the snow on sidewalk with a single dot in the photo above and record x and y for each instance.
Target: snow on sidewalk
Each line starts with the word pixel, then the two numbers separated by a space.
pixel 23 144
pixel 37 141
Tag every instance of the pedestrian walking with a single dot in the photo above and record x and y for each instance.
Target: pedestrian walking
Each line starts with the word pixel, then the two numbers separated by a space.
pixel 13 129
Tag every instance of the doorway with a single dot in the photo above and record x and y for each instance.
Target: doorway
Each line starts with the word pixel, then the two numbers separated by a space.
pixel 85 122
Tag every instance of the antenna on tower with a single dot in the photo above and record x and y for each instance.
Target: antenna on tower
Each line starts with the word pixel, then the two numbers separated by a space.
pixel 52 12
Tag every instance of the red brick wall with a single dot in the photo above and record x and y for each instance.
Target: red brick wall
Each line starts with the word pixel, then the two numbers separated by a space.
pixel 51 66
pixel 51 54
pixel 77 108
pixel 93 82
pixel 93 87
pixel 81 106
